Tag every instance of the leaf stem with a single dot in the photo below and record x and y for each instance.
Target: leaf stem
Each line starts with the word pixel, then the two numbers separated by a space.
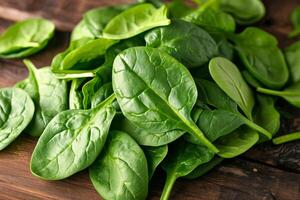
pixel 257 127
pixel 273 92
pixel 168 187
pixel 286 138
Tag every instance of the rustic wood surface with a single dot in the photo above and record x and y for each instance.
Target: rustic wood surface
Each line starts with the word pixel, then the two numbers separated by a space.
pixel 265 172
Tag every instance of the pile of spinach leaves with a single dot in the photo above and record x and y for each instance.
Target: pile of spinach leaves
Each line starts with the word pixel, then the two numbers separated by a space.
pixel 149 85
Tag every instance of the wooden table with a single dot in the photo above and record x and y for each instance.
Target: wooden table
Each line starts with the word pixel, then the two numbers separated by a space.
pixel 265 172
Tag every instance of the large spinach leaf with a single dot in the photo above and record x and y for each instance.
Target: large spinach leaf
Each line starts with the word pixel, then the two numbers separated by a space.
pixel 155 155
pixel 48 94
pixel 182 159
pixel 120 171
pixel 148 84
pixel 72 141
pixel 230 80
pixel 26 38
pixel 185 41
pixel 16 112
pixel 136 20
pixel 263 59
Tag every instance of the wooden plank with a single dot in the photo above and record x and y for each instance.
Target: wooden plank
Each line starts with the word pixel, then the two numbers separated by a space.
pixel 235 179
pixel 64 13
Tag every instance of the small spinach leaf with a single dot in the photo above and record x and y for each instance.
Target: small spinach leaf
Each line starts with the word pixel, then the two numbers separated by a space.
pixel 230 80
pixel 148 84
pixel 237 142
pixel 120 171
pixel 48 94
pixel 185 41
pixel 72 141
pixel 136 20
pixel 295 19
pixel 182 159
pixel 75 94
pixel 262 58
pixel 26 38
pixel 81 31
pixel 155 155
pixel 292 54
pixel 16 112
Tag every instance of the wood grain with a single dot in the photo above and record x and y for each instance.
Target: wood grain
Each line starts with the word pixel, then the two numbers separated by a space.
pixel 265 172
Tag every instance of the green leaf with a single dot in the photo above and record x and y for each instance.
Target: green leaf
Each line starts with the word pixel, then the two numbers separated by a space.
pixel 149 84
pixel 148 138
pixel 72 141
pixel 81 31
pixel 237 142
pixel 183 159
pixel 48 94
pixel 87 56
pixel 101 94
pixel 97 18
pixel 16 112
pixel 292 54
pixel 291 93
pixel 266 115
pixel 136 20
pixel 75 94
pixel 261 56
pixel 244 12
pixel 295 19
pixel 155 155
pixel 120 171
pixel 204 168
pixel 230 80
pixel 188 43
pixel 212 20
pixel 26 38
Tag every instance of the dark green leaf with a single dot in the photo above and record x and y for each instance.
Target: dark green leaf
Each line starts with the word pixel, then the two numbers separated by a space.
pixel 155 155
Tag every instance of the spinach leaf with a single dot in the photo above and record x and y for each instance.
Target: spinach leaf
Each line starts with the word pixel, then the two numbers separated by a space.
pixel 81 31
pixel 286 138
pixel 90 88
pixel 85 57
pixel 183 159
pixel 136 20
pixel 147 138
pixel 155 155
pixel 226 109
pixel 16 112
pixel 120 171
pixel 230 80
pixel 101 94
pixel 26 38
pixel 179 8
pixel 148 84
pixel 295 19
pixel 72 141
pixel 237 142
pixel 185 41
pixel 204 168
pixel 292 54
pixel 97 18
pixel 266 115
pixel 212 20
pixel 263 59
pixel 244 12
pixel 291 93
pixel 48 94
pixel 75 94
